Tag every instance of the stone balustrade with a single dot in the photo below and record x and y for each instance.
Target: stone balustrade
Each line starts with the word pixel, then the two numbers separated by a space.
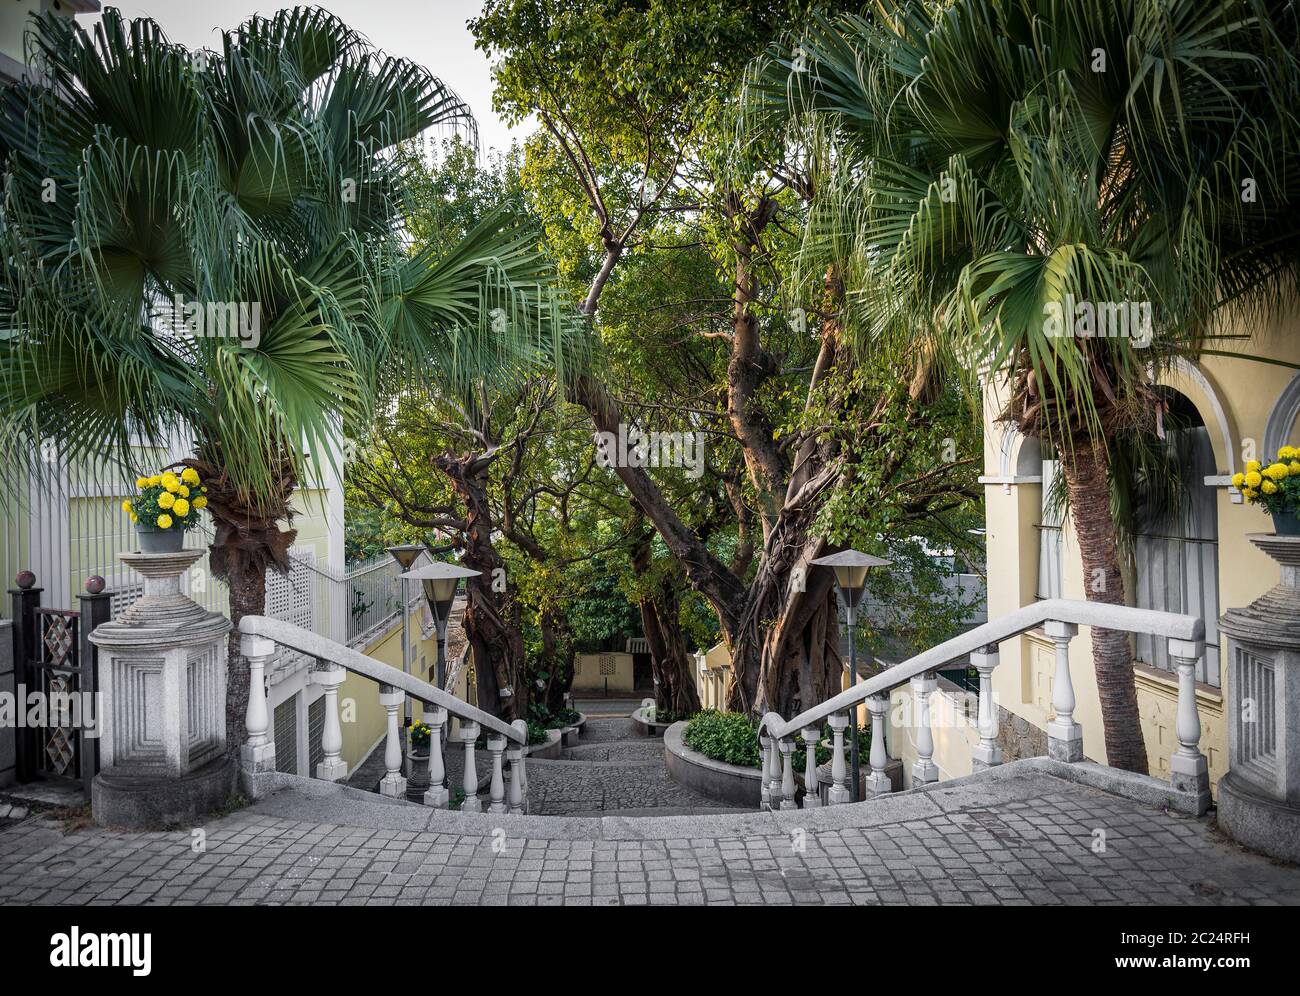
pixel 262 639
pixel 1060 619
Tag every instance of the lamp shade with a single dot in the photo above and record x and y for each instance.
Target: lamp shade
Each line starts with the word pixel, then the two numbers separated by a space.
pixel 850 568
pixel 405 554
pixel 439 581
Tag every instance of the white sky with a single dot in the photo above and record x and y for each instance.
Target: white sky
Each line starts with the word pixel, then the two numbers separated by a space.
pixel 430 32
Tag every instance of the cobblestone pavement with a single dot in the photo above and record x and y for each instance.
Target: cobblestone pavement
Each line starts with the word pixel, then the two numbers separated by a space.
pixel 1021 839
pixel 615 770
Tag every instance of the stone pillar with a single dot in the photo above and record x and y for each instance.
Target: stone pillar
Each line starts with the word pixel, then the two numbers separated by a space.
pixel 924 770
pixel 496 746
pixel 787 774
pixel 878 782
pixel 839 790
pixel 764 766
pixel 469 783
pixel 393 783
pixel 162 675
pixel 332 768
pixel 811 790
pixel 437 795
pixel 1259 797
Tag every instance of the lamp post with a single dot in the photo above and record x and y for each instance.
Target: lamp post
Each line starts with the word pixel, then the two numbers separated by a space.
pixel 851 568
pixel 440 581
pixel 406 555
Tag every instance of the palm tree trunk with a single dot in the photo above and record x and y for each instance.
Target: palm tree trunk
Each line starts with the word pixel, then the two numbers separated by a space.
pixel 1085 466
pixel 247 598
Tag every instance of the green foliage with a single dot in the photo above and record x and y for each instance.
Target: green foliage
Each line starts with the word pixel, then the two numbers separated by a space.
pixel 536 733
pixel 723 736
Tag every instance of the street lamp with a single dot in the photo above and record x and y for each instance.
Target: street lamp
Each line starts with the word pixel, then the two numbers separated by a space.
pixel 851 568
pixel 440 581
pixel 406 555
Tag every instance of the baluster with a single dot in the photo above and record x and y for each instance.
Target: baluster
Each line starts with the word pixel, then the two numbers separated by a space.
pixel 1188 771
pixel 878 782
pixel 774 794
pixel 787 774
pixel 764 767
pixel 497 790
pixel 257 755
pixel 468 734
pixel 839 790
pixel 522 763
pixel 924 770
pixel 1064 735
pixel 811 796
pixel 392 784
pixel 332 768
pixel 515 792
pixel 986 753
pixel 437 794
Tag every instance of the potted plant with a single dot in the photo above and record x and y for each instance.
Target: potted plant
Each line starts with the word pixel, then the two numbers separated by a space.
pixel 418 738
pixel 166 506
pixel 1276 488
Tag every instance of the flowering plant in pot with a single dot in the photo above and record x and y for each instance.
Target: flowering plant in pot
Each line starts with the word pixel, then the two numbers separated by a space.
pixel 166 506
pixel 1276 488
pixel 418 738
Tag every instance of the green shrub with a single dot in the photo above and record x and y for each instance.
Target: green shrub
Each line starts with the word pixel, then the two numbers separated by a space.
pixel 723 736
pixel 536 733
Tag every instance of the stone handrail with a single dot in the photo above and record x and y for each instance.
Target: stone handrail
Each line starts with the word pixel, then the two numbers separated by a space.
pixel 1061 618
pixel 261 635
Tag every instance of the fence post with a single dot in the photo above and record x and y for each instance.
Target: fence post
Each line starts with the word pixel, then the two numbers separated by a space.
pixel 25 600
pixel 96 606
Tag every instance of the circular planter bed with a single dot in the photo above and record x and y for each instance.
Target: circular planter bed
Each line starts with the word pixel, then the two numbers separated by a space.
pixel 571 734
pixel 718 780
pixel 549 751
pixel 644 725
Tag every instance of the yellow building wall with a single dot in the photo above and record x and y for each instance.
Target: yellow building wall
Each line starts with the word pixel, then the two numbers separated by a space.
pixel 603 672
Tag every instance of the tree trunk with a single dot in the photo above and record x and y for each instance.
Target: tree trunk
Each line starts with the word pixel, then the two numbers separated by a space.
pixel 247 584
pixel 557 658
pixel 491 613
pixel 1085 466
pixel 675 690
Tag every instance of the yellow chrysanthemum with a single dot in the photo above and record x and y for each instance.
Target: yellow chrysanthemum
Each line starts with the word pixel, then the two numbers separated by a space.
pixel 1253 465
pixel 172 483
pixel 1288 453
pixel 200 502
pixel 190 476
pixel 1276 471
pixel 182 507
pixel 142 482
pixel 1249 493
pixel 164 521
pixel 1294 467
pixel 134 517
pixel 155 480
pixel 1268 487
pixel 166 500
pixel 183 491
pixel 1253 478
pixel 1238 480
pixel 126 506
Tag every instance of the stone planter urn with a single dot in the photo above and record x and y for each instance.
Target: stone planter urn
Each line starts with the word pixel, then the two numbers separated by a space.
pixel 1259 797
pixel 162 674
pixel 417 776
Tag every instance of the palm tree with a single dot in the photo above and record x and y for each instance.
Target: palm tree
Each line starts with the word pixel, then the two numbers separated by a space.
pixel 139 175
pixel 992 163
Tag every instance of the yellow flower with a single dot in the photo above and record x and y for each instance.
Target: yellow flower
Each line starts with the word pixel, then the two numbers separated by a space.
pixel 182 507
pixel 1294 466
pixel 1276 471
pixel 1268 487
pixel 200 502
pixel 190 476
pixel 134 517
pixel 1249 493
pixel 164 521
pixel 1253 477
pixel 126 506
pixel 1238 480
pixel 171 482
pixel 166 500
pixel 1253 465
pixel 142 482
pixel 183 491
pixel 1288 453
pixel 155 480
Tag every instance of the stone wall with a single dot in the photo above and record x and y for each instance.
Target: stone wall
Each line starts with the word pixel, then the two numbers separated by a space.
pixel 7 678
pixel 1019 738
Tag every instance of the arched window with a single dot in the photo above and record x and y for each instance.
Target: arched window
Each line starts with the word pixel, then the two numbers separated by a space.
pixel 1176 542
